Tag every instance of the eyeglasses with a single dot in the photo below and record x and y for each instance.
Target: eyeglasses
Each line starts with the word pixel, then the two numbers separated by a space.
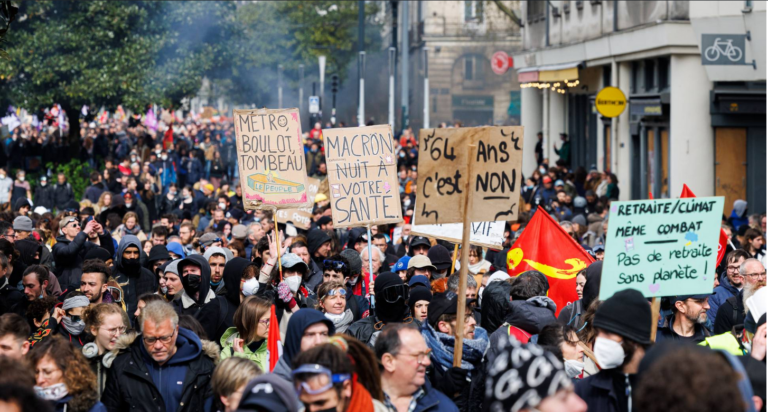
pixel 150 340
pixel 334 264
pixel 315 369
pixel 733 268
pixel 334 292
pixel 392 294
pixel 756 275
pixel 116 331
pixel 264 322
pixel 419 356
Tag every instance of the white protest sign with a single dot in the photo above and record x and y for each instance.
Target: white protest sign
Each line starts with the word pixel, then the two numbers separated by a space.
pixel 486 234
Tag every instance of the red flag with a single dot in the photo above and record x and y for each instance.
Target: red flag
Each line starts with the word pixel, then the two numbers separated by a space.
pixel 723 242
pixel 546 247
pixel 274 348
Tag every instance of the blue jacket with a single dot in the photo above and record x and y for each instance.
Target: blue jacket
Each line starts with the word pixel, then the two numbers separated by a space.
pixel 169 378
pixel 722 292
pixel 61 405
pixel 434 400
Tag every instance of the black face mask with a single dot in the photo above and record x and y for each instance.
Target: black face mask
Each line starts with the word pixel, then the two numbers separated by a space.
pixel 131 264
pixel 192 282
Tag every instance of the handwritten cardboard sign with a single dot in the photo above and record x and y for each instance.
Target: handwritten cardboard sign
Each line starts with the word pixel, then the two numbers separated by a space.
pixel 444 161
pixel 362 176
pixel 270 155
pixel 485 234
pixel 300 217
pixel 662 247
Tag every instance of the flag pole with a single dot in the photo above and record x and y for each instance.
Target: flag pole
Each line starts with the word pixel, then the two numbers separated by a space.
pixel 370 265
pixel 461 306
pixel 277 242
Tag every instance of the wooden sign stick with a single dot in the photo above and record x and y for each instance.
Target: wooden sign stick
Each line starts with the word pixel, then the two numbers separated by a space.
pixel 458 348
pixel 370 266
pixel 655 307
pixel 455 256
pixel 279 245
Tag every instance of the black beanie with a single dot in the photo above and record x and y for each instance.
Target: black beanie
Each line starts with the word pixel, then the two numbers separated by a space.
pixel 419 293
pixel 592 287
pixel 315 239
pixel 627 314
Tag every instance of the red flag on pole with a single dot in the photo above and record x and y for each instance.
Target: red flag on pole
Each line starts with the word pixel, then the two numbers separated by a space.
pixel 274 348
pixel 723 242
pixel 546 247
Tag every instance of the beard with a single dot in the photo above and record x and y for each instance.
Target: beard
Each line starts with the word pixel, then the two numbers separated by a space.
pixel 750 289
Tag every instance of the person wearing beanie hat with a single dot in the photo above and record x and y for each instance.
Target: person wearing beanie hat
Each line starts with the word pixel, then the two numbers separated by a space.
pixel 623 325
pixel 325 223
pixel 158 255
pixel 318 245
pixel 419 300
pixel 527 378
pixel 99 253
pixel 391 307
pixel 441 260
pixel 23 226
pixel 356 284
pixel 401 267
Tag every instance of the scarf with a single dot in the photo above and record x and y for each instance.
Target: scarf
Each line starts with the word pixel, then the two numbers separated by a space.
pixel 361 399
pixel 481 265
pixel 342 321
pixel 133 231
pixel 442 347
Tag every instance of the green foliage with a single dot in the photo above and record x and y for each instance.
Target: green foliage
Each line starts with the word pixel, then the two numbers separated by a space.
pixel 77 173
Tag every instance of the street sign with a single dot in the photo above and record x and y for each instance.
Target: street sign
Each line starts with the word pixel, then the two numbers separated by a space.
pixel 500 62
pixel 610 102
pixel 314 104
pixel 722 49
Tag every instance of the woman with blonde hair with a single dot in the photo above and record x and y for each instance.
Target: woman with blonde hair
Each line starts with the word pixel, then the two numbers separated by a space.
pixel 63 377
pixel 130 226
pixel 248 338
pixel 105 322
pixel 229 380
pixel 104 203
pixel 332 301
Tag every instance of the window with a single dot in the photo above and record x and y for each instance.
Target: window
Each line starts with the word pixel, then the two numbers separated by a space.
pixel 650 73
pixel 473 10
pixel 469 68
pixel 663 73
pixel 535 10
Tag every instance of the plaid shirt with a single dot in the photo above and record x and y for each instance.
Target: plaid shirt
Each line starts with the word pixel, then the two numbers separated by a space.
pixel 414 400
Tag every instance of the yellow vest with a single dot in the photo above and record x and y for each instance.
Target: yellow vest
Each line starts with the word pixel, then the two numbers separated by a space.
pixel 726 342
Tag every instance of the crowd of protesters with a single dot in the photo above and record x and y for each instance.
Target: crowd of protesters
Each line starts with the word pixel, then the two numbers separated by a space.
pixel 156 290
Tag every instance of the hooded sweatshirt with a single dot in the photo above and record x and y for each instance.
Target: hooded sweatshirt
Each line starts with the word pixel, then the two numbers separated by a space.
pixel 134 280
pixel 739 214
pixel 300 321
pixel 218 288
pixel 216 316
pixel 169 378
pixel 188 304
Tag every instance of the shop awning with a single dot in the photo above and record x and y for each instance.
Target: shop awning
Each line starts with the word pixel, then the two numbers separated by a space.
pixel 550 73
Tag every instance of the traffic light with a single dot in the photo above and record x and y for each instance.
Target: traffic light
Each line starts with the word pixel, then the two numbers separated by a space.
pixel 334 83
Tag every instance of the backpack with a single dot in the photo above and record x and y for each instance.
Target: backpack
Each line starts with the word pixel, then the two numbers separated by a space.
pixel 733 300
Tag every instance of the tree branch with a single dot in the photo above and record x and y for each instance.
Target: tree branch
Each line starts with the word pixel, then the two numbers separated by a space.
pixel 506 10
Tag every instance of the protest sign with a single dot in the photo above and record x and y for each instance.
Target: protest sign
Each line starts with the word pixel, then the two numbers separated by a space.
pixel 495 179
pixel 485 234
pixel 663 247
pixel 362 176
pixel 270 155
pixel 300 217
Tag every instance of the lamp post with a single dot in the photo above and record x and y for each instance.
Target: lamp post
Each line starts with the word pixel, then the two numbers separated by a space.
pixel 279 86
pixel 301 87
pixel 361 104
pixel 321 66
pixel 391 111
pixel 425 52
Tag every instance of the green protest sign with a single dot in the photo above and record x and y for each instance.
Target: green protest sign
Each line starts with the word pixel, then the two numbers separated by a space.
pixel 662 247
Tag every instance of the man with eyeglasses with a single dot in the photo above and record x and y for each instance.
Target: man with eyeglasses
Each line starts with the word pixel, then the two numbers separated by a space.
pixel 391 298
pixel 165 368
pixel 405 357
pixel 731 282
pixel 731 312
pixel 71 247
pixel 7 232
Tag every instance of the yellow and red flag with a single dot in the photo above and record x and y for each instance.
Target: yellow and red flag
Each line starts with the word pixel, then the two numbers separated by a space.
pixel 274 347
pixel 723 242
pixel 546 247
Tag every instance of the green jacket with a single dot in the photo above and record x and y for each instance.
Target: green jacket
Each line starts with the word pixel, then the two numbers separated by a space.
pixel 259 357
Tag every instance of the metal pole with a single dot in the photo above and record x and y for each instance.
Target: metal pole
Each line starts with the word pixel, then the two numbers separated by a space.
pixel 426 87
pixel 370 264
pixel 279 85
pixel 404 71
pixel 391 110
pixel 361 99
pixel 301 87
pixel 321 64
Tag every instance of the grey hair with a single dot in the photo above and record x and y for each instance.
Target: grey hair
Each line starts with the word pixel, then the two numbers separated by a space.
pixel 250 227
pixel 453 283
pixel 382 258
pixel 743 267
pixel 158 312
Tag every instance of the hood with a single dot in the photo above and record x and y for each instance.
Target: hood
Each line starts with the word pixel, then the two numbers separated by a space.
pixel 188 347
pixel 176 248
pixel 125 241
pixel 592 287
pixel 27 249
pixel 205 272
pixel 125 341
pixel 495 305
pixel 532 315
pixel 218 251
pixel 740 207
pixel 298 323
pixel 353 235
pixel 233 273
pixel 315 239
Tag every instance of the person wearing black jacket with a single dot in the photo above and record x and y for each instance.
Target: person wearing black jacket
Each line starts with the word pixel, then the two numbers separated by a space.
pixel 391 296
pixel 196 281
pixel 218 314
pixel 10 295
pixel 71 247
pixel 44 194
pixel 62 192
pixel 134 279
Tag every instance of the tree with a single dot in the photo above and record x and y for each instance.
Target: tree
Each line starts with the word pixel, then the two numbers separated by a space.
pixel 7 15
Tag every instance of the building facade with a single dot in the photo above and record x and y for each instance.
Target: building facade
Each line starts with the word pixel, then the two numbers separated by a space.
pixel 693 73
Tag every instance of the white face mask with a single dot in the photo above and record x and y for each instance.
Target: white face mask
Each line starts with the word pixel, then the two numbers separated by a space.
pixel 164 157
pixel 53 392
pixel 609 353
pixel 223 206
pixel 573 368
pixel 21 178
pixel 293 283
pixel 251 286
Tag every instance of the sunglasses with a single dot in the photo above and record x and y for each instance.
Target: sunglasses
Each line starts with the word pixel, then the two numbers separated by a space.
pixel 394 293
pixel 334 264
